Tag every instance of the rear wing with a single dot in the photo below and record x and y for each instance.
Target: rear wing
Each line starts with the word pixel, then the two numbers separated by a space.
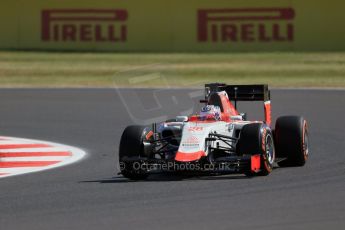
pixel 243 93
pixel 240 92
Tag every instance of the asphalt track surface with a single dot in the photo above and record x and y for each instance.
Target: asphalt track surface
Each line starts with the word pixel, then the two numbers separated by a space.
pixel 89 194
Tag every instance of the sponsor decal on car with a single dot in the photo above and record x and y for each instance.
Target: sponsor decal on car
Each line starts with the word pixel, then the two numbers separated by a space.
pixel 195 129
pixel 191 142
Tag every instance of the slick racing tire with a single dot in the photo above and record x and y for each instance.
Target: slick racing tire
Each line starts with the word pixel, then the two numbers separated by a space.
pixel 131 145
pixel 255 139
pixel 291 135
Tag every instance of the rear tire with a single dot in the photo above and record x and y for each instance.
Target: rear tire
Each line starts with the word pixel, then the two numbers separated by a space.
pixel 255 139
pixel 291 134
pixel 131 145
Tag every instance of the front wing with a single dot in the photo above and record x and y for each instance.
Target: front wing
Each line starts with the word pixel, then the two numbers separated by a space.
pixel 225 165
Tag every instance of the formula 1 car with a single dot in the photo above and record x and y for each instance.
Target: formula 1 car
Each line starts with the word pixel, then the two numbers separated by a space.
pixel 218 140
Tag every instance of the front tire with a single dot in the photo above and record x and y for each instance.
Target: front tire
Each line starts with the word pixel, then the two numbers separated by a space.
pixel 255 139
pixel 131 146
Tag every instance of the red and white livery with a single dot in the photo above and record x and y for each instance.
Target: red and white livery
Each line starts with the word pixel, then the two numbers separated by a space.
pixel 219 139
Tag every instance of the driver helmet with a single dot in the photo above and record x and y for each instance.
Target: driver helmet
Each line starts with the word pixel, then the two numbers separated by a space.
pixel 210 112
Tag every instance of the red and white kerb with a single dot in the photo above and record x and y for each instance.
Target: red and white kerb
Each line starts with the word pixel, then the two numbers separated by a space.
pixel 20 156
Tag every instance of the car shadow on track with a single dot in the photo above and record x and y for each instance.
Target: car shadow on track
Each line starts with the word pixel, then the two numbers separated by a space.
pixel 167 178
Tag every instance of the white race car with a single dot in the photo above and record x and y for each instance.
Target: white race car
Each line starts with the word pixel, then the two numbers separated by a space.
pixel 218 140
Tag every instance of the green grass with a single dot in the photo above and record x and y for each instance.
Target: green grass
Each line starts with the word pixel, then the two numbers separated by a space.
pixel 39 69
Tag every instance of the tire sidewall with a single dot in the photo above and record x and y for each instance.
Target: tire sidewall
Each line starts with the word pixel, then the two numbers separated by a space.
pixel 305 137
pixel 265 136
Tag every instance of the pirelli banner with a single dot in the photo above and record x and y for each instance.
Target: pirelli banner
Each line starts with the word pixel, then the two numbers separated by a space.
pixel 173 25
